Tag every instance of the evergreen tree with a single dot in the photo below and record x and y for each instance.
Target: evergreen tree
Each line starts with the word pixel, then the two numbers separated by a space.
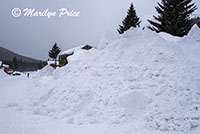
pixel 174 17
pixel 131 20
pixel 14 63
pixel 53 53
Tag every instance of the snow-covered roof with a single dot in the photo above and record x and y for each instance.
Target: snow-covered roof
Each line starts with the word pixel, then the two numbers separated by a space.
pixel 4 65
pixel 52 62
pixel 71 50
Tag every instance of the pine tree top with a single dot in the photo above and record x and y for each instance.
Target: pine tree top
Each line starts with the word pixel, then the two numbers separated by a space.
pixel 131 20
pixel 174 17
pixel 53 53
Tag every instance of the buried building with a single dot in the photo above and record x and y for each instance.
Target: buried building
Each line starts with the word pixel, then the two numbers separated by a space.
pixel 64 55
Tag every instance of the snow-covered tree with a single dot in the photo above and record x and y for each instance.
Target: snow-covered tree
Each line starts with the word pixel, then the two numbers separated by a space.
pixel 174 17
pixel 53 53
pixel 131 20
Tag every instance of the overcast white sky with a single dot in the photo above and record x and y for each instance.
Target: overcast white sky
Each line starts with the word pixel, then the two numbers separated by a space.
pixel 35 36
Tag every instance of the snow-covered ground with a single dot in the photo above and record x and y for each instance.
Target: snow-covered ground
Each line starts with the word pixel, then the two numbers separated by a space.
pixel 137 83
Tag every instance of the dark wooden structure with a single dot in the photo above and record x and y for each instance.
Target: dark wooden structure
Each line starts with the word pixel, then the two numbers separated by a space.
pixel 87 47
pixel 63 57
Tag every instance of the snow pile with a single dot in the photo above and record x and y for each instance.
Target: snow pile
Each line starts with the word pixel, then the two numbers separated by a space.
pixel 108 38
pixel 137 77
pixel 193 35
pixel 190 44
pixel 45 72
pixel 169 37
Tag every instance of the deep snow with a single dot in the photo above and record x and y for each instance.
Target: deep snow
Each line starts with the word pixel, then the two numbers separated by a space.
pixel 139 82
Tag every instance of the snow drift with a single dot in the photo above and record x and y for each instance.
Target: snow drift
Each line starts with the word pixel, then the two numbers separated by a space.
pixel 136 77
pixel 190 45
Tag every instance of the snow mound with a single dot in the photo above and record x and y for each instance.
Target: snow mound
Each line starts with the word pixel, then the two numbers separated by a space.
pixel 46 71
pixel 193 35
pixel 138 76
pixel 107 39
pixel 190 44
pixel 169 37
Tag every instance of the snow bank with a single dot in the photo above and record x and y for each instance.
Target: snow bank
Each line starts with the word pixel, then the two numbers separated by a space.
pixel 107 39
pixel 137 77
pixel 169 37
pixel 190 44
pixel 193 35
pixel 46 71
